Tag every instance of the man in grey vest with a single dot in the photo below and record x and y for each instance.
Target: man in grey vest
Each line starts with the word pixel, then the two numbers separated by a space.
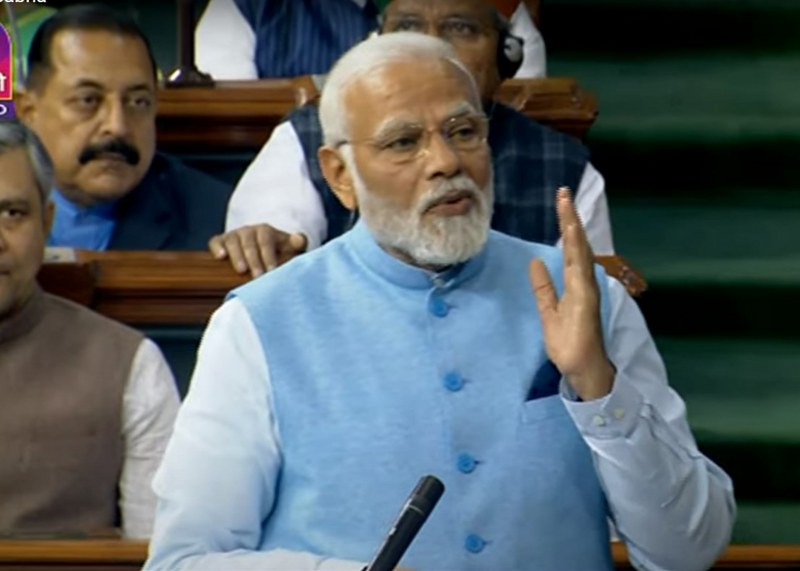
pixel 421 342
pixel 86 404
pixel 282 205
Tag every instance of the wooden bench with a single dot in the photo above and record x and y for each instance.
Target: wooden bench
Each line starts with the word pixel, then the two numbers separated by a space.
pixel 179 288
pixel 169 296
pixel 237 116
pixel 121 555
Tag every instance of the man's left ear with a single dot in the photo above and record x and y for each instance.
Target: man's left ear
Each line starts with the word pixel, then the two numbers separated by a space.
pixel 337 175
pixel 25 106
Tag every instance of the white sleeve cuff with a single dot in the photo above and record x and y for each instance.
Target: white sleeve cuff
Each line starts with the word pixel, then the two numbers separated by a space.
pixel 612 416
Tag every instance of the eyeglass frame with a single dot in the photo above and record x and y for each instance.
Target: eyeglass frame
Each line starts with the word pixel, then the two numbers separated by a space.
pixel 482 122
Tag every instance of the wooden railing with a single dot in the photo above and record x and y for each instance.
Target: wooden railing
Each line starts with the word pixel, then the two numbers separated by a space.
pixel 178 288
pixel 739 557
pixel 121 555
pixel 239 116
pixel 144 288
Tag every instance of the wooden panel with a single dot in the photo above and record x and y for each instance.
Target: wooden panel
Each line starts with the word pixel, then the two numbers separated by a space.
pixel 737 557
pixel 179 288
pixel 175 288
pixel 236 116
pixel 119 555
pixel 68 555
pixel 232 116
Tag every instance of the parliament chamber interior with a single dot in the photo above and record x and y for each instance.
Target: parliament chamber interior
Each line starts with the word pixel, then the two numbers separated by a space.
pixel 689 109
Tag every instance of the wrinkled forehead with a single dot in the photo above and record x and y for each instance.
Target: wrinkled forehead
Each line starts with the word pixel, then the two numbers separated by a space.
pixel 101 58
pixel 409 91
pixel 432 11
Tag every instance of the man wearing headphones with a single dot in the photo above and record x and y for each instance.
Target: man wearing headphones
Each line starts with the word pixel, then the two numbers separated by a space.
pixel 282 206
pixel 252 39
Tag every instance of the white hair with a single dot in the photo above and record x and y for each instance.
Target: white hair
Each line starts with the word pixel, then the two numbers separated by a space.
pixel 373 53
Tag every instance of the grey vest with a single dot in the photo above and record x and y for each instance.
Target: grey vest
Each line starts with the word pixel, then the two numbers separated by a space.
pixel 63 371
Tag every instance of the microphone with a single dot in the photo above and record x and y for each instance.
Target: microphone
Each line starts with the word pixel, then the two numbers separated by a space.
pixel 416 510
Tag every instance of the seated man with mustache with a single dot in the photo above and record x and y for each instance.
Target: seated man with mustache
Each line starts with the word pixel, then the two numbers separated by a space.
pixel 91 97
pixel 422 342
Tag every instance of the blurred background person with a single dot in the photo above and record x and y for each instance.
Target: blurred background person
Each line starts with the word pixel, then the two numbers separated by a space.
pixel 256 39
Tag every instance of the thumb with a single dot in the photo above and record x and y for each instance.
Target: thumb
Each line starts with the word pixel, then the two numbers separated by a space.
pixel 298 242
pixel 217 247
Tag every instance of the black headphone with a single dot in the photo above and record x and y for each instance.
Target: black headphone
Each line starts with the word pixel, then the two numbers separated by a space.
pixel 509 53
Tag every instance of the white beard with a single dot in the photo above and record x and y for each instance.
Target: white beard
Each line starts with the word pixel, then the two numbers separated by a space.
pixel 433 240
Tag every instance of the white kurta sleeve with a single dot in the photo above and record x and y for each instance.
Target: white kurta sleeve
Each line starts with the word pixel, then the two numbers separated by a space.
pixel 149 405
pixel 276 189
pixel 225 43
pixel 217 483
pixel 673 507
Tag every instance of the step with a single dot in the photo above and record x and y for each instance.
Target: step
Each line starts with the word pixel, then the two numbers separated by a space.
pixel 743 388
pixel 765 523
pixel 750 236
pixel 612 27
pixel 714 268
pixel 711 97
pixel 698 121
pixel 742 398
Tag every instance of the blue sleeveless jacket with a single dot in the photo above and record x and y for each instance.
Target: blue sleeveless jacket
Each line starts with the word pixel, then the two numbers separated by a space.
pixel 381 372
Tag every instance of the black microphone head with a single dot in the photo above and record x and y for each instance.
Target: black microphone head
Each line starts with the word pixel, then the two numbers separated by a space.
pixel 426 494
pixel 415 511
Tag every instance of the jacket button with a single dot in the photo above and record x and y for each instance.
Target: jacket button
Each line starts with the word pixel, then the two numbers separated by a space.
pixel 438 307
pixel 453 382
pixel 474 543
pixel 466 463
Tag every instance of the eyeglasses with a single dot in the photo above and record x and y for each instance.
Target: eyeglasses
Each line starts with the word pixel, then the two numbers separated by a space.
pixel 408 143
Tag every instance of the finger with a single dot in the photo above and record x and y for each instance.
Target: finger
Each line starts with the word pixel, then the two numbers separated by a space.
pixel 251 250
pixel 290 246
pixel 217 247
pixel 234 251
pixel 579 277
pixel 565 210
pixel 576 260
pixel 568 216
pixel 543 290
pixel 298 243
pixel 268 238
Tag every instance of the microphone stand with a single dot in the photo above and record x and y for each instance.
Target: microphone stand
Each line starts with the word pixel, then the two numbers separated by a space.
pixel 187 74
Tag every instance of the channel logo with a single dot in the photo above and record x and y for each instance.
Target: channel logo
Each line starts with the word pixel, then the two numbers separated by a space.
pixel 6 75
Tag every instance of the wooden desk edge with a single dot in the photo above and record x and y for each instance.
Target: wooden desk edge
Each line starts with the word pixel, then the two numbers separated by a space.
pixel 75 551
pixel 182 288
pixel 135 552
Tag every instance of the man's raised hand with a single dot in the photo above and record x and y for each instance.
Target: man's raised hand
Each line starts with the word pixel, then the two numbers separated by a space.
pixel 571 325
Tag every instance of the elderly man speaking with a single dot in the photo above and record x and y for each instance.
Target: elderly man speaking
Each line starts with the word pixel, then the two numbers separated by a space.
pixel 422 342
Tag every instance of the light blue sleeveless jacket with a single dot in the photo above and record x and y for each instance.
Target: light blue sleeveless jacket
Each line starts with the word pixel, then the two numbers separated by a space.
pixel 382 372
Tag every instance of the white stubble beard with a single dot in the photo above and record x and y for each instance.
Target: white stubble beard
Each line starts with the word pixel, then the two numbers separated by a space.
pixel 437 241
